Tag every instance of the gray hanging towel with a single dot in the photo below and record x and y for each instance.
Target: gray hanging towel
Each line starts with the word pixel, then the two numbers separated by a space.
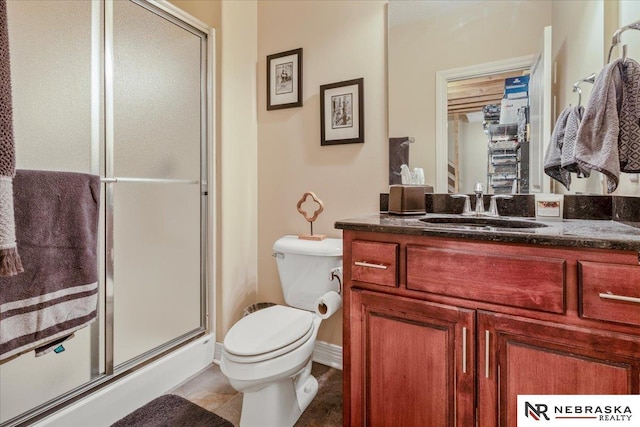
pixel 10 263
pixel 57 227
pixel 607 140
pixel 553 156
pixel 569 144
pixel 597 138
pixel 629 114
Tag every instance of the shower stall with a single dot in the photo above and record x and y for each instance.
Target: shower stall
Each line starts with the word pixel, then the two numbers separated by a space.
pixel 120 89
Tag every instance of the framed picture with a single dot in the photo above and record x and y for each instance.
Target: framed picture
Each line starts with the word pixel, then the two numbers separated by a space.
pixel 342 112
pixel 284 80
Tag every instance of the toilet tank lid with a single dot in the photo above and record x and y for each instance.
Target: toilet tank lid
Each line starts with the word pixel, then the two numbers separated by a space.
pixel 294 245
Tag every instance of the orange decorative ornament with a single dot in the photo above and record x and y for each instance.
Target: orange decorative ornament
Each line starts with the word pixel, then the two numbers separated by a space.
pixel 311 219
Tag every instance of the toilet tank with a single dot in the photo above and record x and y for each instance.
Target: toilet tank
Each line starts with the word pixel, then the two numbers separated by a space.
pixel 305 268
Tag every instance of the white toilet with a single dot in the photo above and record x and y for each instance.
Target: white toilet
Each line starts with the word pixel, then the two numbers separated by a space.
pixel 267 354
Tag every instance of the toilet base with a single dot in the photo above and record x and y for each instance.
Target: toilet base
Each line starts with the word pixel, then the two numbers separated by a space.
pixel 279 404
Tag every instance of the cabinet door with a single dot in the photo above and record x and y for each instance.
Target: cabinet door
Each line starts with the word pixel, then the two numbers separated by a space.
pixel 411 363
pixel 522 356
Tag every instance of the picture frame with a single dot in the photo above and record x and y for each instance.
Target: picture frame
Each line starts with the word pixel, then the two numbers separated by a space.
pixel 284 80
pixel 342 112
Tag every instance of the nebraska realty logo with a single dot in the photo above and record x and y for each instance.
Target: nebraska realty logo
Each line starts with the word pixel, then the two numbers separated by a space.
pixel 578 410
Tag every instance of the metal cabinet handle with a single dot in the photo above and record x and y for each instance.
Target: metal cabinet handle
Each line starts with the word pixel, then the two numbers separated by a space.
pixel 369 265
pixel 620 298
pixel 464 350
pixel 486 354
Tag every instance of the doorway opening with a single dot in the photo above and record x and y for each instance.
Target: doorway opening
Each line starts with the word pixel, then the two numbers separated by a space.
pixel 473 110
pixel 479 72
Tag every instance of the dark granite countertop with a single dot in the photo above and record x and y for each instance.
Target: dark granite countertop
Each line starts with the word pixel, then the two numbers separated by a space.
pixel 581 233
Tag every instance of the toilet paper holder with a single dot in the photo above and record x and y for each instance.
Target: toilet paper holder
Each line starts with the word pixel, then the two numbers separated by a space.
pixel 336 274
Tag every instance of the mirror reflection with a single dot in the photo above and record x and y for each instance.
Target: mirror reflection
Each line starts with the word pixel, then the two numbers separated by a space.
pixel 480 126
pixel 429 41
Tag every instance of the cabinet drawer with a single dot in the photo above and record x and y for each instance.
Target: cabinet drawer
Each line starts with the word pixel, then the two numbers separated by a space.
pixel 374 262
pixel 533 282
pixel 610 292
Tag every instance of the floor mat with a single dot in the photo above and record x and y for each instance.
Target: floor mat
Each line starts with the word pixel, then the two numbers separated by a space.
pixel 171 411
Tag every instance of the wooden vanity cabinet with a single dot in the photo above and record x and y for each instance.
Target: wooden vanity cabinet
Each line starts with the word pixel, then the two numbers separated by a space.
pixel 412 362
pixel 445 332
pixel 523 356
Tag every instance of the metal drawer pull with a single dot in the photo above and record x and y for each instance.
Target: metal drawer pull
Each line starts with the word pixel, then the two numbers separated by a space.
pixel 369 265
pixel 464 350
pixel 620 298
pixel 486 354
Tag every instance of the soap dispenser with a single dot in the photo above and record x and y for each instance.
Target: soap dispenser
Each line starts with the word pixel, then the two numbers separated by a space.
pixel 405 174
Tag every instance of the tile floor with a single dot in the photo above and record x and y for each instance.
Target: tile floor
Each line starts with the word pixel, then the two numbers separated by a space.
pixel 211 390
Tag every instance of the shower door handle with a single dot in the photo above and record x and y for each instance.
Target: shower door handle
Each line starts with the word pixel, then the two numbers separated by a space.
pixel 116 179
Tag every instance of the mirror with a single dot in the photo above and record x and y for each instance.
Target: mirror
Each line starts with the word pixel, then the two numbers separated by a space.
pixel 430 37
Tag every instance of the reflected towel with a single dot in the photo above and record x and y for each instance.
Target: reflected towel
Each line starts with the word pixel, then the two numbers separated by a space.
pixel 553 156
pixel 57 223
pixel 569 162
pixel 398 155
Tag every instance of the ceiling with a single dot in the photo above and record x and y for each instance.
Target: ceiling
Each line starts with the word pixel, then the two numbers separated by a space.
pixel 470 95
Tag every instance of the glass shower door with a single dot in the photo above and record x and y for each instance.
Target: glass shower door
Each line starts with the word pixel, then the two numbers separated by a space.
pixel 155 109
pixel 116 88
pixel 52 117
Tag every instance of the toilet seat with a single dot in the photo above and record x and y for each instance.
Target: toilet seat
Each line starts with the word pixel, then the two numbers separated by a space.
pixel 268 333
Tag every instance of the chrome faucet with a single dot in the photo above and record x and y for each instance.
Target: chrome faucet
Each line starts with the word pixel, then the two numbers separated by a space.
pixel 479 210
pixel 479 202
pixel 493 206
pixel 466 210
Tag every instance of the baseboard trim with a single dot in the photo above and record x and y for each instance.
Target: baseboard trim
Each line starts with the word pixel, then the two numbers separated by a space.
pixel 323 353
pixel 328 354
pixel 114 401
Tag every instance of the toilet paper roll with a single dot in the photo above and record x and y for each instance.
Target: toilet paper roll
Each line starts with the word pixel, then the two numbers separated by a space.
pixel 328 304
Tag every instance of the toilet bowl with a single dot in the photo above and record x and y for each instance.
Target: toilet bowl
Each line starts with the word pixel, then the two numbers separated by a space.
pixel 267 355
pixel 277 384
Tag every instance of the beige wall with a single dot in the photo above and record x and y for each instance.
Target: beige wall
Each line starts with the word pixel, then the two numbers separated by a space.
pixel 473 154
pixel 207 11
pixel 236 27
pixel 440 35
pixel 268 159
pixel 340 41
pixel 238 232
pixel 578 51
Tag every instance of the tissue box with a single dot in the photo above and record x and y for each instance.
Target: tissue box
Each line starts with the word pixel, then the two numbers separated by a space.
pixel 407 199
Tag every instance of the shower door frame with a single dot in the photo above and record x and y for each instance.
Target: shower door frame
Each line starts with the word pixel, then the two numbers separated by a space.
pixel 102 140
pixel 161 9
